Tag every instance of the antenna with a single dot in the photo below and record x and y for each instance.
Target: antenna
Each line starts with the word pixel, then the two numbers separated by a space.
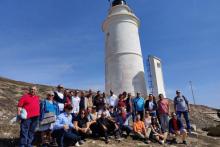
pixel 190 83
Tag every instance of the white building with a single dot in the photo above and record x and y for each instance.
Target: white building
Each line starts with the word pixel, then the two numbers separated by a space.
pixel 157 76
pixel 124 69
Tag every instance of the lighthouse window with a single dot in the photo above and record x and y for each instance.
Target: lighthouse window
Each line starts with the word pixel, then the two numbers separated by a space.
pixel 158 65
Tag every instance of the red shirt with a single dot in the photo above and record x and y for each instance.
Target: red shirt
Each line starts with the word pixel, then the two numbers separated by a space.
pixel 121 103
pixel 163 106
pixel 175 125
pixel 31 104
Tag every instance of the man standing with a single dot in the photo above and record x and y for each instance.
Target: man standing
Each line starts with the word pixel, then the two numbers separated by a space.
pixel 59 97
pixel 163 111
pixel 139 105
pixel 31 104
pixel 128 103
pixel 181 106
pixel 112 100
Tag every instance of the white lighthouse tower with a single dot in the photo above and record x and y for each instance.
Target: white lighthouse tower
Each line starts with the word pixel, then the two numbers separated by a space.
pixel 124 69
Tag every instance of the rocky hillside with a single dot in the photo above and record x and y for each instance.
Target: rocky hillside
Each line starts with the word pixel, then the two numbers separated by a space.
pixel 11 91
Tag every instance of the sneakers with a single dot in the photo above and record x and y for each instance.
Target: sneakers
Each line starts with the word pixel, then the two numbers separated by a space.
pixel 106 141
pixel 147 141
pixel 184 142
pixel 77 144
pixel 174 141
pixel 81 142
pixel 161 141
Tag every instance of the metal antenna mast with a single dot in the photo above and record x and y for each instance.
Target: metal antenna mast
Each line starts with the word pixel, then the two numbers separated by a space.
pixel 190 82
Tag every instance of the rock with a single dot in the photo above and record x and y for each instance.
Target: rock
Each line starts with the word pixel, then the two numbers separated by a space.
pixel 1 113
pixel 214 131
pixel 193 127
pixel 193 135
pixel 13 120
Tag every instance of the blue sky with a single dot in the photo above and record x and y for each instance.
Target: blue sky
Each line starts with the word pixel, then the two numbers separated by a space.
pixel 54 41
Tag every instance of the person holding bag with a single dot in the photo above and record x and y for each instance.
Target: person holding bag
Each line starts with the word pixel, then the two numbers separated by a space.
pixel 31 104
pixel 49 112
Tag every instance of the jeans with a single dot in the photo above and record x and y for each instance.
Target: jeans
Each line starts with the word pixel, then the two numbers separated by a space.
pixel 153 114
pixel 164 120
pixel 125 128
pixel 141 113
pixel 61 134
pixel 186 116
pixel 27 130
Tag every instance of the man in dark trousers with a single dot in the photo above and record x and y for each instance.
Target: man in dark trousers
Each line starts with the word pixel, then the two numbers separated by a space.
pixel 28 111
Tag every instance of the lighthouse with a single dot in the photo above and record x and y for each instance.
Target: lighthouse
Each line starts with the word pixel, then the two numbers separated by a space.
pixel 124 69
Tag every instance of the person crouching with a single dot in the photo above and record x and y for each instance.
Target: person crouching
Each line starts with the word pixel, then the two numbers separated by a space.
pixel 176 128
pixel 63 128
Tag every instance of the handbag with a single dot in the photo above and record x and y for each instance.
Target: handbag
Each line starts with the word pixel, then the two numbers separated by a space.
pixel 48 118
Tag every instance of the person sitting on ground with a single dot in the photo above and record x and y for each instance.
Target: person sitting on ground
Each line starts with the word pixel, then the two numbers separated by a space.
pixel 112 112
pixel 151 105
pixel 106 127
pixel 122 120
pixel 63 128
pixel 147 123
pixel 94 114
pixel 105 109
pixel 176 128
pixel 48 107
pixel 156 132
pixel 139 129
pixel 82 124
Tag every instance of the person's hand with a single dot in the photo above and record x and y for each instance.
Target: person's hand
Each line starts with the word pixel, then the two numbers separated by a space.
pixel 66 127
pixel 177 132
pixel 84 130
pixel 189 110
pixel 104 127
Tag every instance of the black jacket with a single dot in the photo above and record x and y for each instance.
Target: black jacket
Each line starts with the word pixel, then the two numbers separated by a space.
pixel 147 105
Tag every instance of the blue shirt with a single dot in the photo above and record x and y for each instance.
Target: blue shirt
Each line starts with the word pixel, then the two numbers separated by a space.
pixel 50 107
pixel 139 103
pixel 180 103
pixel 63 119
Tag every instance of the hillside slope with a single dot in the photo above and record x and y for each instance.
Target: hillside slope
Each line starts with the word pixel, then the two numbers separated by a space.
pixel 11 91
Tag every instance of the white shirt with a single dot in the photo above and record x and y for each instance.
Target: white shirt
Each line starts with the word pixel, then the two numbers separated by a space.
pixel 113 100
pixel 106 111
pixel 75 103
pixel 60 105
pixel 151 105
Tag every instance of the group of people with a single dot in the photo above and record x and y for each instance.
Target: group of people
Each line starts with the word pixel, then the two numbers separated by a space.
pixel 68 117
